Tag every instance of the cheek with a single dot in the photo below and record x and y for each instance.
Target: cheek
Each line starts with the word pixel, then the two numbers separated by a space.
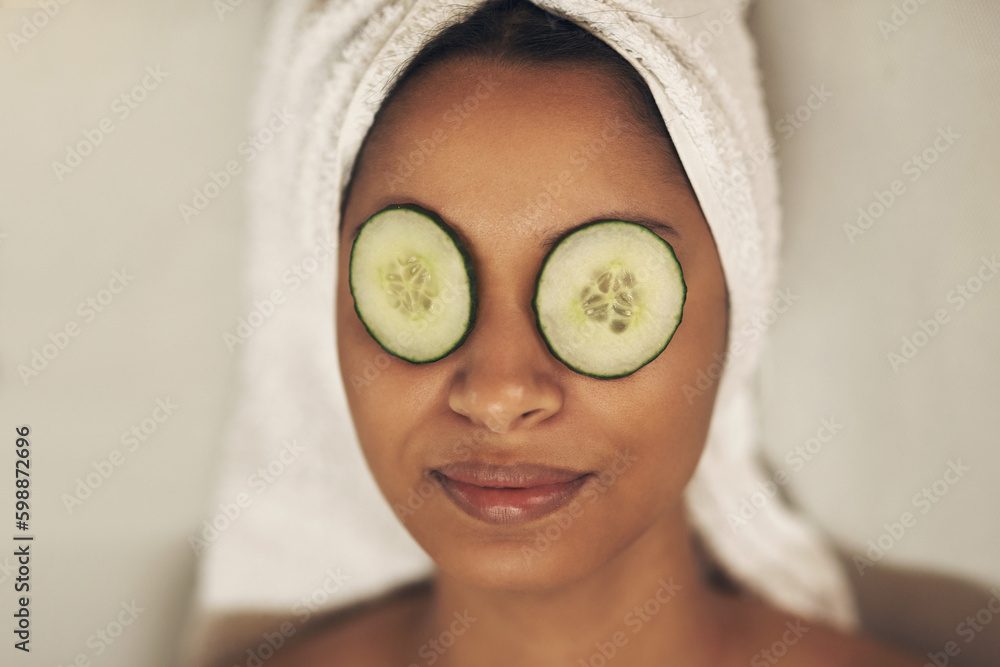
pixel 376 384
pixel 360 363
pixel 658 435
pixel 366 370
pixel 694 356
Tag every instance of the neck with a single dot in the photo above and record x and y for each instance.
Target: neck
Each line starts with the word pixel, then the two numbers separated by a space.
pixel 647 606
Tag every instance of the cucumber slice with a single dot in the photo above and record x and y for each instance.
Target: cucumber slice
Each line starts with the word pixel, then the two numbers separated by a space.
pixel 608 298
pixel 412 283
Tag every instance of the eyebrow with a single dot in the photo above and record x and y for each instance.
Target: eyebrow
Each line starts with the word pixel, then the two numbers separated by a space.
pixel 659 227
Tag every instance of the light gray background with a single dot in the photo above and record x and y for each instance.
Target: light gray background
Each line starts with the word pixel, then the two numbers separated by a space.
pixel 892 90
pixel 162 336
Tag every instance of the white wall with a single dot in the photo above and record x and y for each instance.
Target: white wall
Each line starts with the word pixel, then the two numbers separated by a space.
pixel 159 338
pixel 894 86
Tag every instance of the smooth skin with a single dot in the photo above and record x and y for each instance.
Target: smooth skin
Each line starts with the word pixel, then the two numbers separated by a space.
pixel 503 398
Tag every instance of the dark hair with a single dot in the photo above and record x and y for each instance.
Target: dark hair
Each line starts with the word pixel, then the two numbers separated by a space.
pixel 519 34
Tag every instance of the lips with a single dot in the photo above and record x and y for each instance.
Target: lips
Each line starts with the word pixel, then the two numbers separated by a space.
pixel 507 494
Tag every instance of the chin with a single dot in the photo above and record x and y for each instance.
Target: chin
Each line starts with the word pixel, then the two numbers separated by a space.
pixel 504 567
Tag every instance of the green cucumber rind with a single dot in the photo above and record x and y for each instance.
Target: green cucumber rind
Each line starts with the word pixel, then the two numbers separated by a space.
pixel 538 318
pixel 466 261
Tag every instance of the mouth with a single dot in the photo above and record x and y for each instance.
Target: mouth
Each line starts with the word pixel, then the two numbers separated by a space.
pixel 508 494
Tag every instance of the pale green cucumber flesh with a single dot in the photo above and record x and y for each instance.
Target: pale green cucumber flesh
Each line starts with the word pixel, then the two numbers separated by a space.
pixel 412 283
pixel 609 298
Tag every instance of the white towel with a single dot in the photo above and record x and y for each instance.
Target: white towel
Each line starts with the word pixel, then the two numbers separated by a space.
pixel 310 508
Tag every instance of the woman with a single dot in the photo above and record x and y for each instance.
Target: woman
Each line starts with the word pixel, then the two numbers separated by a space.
pixel 563 511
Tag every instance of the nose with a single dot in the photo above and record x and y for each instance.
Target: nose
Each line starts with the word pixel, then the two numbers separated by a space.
pixel 506 380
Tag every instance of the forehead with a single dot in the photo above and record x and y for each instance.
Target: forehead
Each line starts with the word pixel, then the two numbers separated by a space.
pixel 519 150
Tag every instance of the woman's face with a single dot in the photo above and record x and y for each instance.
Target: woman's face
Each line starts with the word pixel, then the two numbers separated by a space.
pixel 510 160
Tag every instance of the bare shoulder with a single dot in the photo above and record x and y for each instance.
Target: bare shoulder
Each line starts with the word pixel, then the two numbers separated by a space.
pixel 773 636
pixel 835 649
pixel 377 632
